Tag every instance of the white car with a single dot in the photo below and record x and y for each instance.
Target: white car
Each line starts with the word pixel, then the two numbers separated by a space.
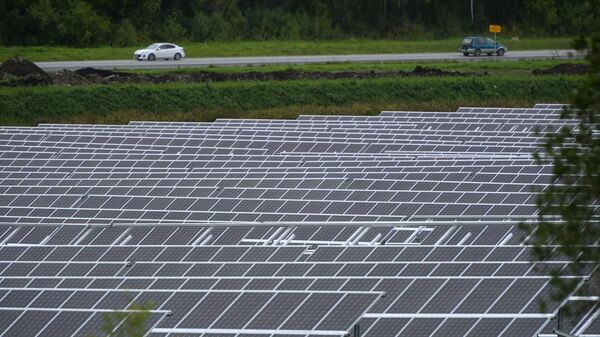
pixel 162 51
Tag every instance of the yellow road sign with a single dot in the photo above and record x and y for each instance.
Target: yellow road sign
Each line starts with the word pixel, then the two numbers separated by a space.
pixel 495 29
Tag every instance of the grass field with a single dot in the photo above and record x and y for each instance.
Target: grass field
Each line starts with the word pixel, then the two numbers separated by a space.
pixel 274 48
pixel 275 99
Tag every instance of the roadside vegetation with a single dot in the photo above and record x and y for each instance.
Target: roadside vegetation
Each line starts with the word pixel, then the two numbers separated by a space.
pixel 277 48
pixel 120 103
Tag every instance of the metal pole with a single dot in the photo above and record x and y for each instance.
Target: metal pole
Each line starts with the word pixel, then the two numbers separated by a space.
pixel 384 12
pixel 357 330
pixel 495 48
pixel 472 16
pixel 559 320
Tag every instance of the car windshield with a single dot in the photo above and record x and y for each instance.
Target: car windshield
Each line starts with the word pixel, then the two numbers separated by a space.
pixel 467 41
pixel 153 46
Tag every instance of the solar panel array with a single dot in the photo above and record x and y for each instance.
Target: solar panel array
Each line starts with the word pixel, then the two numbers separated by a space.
pixel 402 224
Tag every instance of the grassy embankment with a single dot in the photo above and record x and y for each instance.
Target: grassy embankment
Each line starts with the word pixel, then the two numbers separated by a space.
pixel 274 48
pixel 275 99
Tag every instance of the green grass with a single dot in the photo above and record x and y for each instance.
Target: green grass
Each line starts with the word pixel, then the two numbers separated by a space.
pixel 273 48
pixel 503 68
pixel 205 102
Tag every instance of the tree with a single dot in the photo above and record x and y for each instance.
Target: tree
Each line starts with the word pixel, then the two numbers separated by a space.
pixel 81 26
pixel 125 34
pixel 128 323
pixel 542 16
pixel 569 213
pixel 44 18
pixel 102 22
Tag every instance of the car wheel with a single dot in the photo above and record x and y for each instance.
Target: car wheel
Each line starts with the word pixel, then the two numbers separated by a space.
pixel 177 57
pixel 466 53
pixel 500 52
pixel 477 52
pixel 151 57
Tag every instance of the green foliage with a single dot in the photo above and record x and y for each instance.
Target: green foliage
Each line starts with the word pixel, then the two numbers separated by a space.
pixel 29 106
pixel 568 208
pixel 172 30
pixel 71 22
pixel 216 20
pixel 13 18
pixel 107 22
pixel 275 23
pixel 576 17
pixel 81 26
pixel 127 323
pixel 542 16
pixel 125 34
pixel 130 322
pixel 45 19
pixel 145 14
pixel 201 29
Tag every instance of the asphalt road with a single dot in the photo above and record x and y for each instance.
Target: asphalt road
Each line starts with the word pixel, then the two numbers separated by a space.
pixel 273 60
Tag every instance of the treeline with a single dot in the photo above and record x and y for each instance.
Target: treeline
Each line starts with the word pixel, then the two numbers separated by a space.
pixel 128 22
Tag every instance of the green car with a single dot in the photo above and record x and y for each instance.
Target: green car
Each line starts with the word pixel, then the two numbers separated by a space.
pixel 477 45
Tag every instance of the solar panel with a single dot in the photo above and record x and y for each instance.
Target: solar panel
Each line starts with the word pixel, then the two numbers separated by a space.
pixel 402 224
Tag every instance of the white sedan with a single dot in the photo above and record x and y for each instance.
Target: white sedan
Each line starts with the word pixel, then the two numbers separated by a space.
pixel 162 51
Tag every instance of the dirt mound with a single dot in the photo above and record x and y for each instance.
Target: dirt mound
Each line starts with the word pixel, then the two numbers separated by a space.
pixel 106 76
pixel 68 78
pixel 99 72
pixel 18 72
pixel 563 69
pixel 102 76
pixel 292 74
pixel 20 67
pixel 424 71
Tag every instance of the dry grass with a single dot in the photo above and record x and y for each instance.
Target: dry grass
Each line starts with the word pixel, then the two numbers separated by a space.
pixel 291 112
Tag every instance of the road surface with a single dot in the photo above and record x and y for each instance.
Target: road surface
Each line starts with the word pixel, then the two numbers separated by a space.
pixel 274 60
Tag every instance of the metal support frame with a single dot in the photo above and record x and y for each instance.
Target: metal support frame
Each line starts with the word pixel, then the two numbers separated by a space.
pixel 356 330
pixel 562 333
pixel 559 320
pixel 248 331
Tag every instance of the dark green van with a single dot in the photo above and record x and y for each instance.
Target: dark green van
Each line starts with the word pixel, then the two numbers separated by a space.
pixel 477 45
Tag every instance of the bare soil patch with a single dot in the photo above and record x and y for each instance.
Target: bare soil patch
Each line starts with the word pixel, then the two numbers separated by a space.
pixel 563 69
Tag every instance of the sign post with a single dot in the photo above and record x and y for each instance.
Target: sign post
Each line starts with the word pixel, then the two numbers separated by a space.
pixel 495 29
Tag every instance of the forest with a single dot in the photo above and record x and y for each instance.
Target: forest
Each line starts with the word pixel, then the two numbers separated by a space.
pixel 88 23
